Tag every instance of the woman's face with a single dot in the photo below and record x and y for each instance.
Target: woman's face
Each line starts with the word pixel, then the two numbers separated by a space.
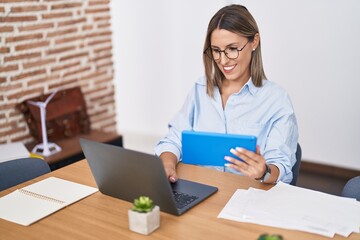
pixel 237 69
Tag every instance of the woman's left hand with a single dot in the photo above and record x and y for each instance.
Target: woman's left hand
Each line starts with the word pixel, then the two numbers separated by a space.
pixel 253 164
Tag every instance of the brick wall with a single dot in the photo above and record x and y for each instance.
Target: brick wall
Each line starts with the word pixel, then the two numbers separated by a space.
pixel 51 44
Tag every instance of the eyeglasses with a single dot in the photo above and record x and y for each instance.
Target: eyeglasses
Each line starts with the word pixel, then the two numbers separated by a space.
pixel 230 52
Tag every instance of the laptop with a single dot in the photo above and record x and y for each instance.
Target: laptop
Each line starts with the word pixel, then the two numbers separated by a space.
pixel 208 148
pixel 128 174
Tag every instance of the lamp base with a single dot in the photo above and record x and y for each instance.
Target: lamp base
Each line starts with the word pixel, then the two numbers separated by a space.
pixel 46 150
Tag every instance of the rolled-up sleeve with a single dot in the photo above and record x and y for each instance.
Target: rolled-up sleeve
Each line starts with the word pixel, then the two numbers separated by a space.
pixel 183 120
pixel 282 140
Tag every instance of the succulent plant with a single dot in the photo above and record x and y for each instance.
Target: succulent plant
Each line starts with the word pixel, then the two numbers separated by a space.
pixel 270 237
pixel 143 204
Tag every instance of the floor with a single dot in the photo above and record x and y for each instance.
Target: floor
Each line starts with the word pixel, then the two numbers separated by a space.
pixel 323 183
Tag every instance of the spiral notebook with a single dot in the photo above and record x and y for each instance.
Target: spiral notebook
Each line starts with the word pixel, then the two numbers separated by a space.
pixel 31 203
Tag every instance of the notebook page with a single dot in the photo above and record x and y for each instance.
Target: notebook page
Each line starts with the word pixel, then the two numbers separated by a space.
pixel 36 201
pixel 25 209
pixel 60 189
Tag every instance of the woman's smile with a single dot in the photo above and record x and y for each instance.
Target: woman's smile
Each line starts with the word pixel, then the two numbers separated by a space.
pixel 228 69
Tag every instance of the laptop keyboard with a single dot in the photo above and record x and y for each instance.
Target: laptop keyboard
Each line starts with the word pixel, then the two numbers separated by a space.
pixel 183 199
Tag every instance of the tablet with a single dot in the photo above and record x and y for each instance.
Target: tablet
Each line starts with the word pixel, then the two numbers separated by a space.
pixel 207 148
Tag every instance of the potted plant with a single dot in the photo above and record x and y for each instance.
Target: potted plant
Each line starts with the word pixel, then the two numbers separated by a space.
pixel 144 217
pixel 270 237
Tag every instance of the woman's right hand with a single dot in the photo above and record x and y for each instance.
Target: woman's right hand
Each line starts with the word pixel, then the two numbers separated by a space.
pixel 169 161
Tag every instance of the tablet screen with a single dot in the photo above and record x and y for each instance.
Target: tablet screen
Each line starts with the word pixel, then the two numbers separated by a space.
pixel 207 148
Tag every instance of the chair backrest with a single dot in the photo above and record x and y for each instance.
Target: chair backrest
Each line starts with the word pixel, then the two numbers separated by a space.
pixel 296 167
pixel 20 170
pixel 352 188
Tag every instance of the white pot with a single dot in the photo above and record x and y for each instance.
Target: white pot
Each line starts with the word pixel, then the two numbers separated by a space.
pixel 144 223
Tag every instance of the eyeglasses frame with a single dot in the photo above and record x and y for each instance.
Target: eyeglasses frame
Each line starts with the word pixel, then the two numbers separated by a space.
pixel 223 51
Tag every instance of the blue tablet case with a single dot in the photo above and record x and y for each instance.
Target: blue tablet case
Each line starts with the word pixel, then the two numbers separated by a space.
pixel 206 148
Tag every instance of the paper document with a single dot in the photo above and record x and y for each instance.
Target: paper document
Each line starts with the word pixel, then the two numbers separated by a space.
pixel 12 151
pixel 36 201
pixel 295 208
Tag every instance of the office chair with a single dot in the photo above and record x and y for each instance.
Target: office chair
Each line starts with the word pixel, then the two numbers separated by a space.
pixel 352 188
pixel 296 168
pixel 17 171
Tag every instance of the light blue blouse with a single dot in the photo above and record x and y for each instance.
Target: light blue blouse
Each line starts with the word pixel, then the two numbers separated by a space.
pixel 264 112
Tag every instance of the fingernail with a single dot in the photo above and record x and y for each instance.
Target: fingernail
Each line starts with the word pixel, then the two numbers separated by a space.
pixel 232 150
pixel 227 158
pixel 239 149
pixel 227 164
pixel 172 179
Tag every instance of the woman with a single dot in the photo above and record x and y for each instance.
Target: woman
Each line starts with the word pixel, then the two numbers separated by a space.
pixel 235 97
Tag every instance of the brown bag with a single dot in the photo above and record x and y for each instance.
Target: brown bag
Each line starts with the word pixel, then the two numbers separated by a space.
pixel 66 115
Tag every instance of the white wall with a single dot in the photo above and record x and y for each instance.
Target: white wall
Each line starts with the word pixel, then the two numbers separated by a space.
pixel 309 47
pixel 158 56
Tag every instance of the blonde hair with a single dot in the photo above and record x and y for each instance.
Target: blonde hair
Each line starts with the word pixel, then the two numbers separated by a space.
pixel 236 19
